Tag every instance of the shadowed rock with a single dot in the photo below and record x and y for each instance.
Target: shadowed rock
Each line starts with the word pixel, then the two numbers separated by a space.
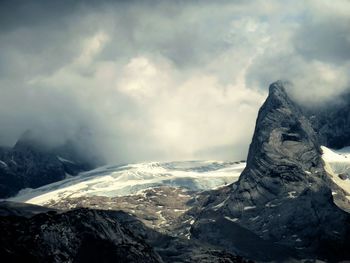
pixel 284 194
pixel 81 235
pixel 31 164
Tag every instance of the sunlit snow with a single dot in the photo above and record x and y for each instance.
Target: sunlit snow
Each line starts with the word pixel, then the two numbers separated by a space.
pixel 121 180
pixel 337 162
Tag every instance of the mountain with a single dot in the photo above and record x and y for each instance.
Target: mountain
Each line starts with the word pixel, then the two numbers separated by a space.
pixel 291 202
pixel 90 235
pixel 31 164
pixel 284 195
pixel 81 235
pixel 156 192
pixel 331 121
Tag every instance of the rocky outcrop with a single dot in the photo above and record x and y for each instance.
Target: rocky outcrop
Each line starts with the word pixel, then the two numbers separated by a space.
pixel 81 235
pixel 26 167
pixel 29 164
pixel 284 194
pixel 35 234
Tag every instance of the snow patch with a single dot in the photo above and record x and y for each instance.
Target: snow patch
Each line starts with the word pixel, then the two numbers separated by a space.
pixel 231 219
pixel 215 208
pixel 270 205
pixel 254 218
pixel 64 160
pixel 249 208
pixel 292 194
pixel 180 210
pixel 337 164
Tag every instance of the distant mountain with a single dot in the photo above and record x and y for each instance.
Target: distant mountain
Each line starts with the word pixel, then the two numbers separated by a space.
pixel 30 164
pixel 284 195
pixel 331 121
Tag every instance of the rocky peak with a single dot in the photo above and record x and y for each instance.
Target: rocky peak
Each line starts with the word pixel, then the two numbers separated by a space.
pixel 277 92
pixel 31 163
pixel 284 194
pixel 284 148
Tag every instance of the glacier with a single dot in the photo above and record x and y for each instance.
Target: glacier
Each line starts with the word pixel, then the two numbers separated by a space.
pixel 131 179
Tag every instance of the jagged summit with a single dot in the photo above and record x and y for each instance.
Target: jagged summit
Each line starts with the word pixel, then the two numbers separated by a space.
pixel 282 136
pixel 279 97
pixel 277 88
pixel 284 194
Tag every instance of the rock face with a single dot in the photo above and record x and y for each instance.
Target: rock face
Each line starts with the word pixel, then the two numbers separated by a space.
pixel 332 121
pixel 30 165
pixel 27 167
pixel 280 210
pixel 284 194
pixel 35 234
pixel 81 235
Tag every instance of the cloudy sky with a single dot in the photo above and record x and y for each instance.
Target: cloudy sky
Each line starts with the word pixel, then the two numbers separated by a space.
pixel 163 80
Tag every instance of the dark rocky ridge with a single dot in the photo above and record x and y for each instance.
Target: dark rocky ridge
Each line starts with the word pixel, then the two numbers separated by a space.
pixel 80 235
pixel 8 208
pixel 90 235
pixel 284 194
pixel 30 164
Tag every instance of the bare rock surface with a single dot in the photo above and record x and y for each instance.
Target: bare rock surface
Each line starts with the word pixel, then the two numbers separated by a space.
pixel 29 164
pixel 284 195
pixel 81 235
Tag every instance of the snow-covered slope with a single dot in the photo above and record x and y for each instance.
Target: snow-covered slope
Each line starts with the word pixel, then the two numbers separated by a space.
pixel 130 179
pixel 337 165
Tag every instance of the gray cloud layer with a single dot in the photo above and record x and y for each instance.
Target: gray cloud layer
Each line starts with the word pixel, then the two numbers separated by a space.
pixel 157 80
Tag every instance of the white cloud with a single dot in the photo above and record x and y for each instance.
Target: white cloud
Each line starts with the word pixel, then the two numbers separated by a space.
pixel 175 80
pixel 91 47
pixel 156 110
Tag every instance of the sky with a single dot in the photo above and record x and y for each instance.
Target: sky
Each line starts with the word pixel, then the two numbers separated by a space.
pixel 163 80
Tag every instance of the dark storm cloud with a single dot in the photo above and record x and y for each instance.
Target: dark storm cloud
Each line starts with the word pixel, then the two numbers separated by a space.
pixel 162 79
pixel 14 14
pixel 325 39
